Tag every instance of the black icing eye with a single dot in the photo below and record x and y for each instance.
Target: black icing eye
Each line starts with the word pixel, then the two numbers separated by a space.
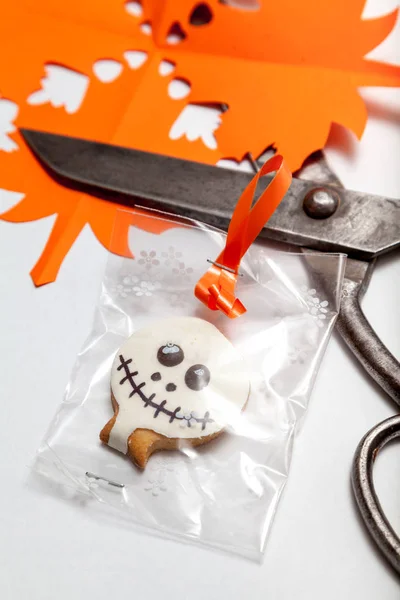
pixel 170 355
pixel 197 377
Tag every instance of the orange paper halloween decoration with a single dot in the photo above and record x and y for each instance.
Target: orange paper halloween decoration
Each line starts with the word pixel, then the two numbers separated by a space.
pixel 285 72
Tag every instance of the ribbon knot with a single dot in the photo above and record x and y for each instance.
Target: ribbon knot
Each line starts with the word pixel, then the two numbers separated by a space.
pixel 216 289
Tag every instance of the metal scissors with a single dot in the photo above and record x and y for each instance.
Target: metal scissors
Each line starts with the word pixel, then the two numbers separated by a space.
pixel 317 214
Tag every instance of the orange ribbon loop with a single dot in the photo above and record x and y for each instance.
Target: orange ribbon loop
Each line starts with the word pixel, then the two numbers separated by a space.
pixel 216 289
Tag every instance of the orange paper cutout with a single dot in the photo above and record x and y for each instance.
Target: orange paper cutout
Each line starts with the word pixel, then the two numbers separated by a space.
pixel 216 289
pixel 50 39
pixel 286 73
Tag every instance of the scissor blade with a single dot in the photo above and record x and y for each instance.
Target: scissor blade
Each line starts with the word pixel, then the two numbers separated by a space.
pixel 363 226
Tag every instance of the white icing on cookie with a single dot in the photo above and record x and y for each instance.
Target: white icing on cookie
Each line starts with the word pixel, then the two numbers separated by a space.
pixel 179 377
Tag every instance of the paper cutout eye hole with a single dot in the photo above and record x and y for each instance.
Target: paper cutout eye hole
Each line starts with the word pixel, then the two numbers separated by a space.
pixel 197 377
pixel 175 34
pixel 170 355
pixel 107 70
pixel 166 67
pixel 201 15
pixel 146 28
pixel 134 8
pixel 178 88
pixel 135 58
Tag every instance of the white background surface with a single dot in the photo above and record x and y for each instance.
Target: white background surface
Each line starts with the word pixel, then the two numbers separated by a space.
pixel 53 548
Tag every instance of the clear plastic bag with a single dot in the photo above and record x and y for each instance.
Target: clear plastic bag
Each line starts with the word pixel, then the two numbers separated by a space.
pixel 223 493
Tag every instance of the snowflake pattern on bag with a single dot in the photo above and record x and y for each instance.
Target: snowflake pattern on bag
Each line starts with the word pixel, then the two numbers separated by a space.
pixel 183 271
pixel 317 308
pixel 157 266
pixel 171 257
pixel 146 288
pixel 150 280
pixel 148 259
pixel 157 482
pixel 155 486
pixel 125 288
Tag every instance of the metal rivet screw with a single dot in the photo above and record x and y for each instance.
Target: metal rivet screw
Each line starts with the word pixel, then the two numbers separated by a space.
pixel 321 203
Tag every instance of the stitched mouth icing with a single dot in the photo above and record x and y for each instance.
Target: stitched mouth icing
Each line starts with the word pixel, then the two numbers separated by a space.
pixel 161 407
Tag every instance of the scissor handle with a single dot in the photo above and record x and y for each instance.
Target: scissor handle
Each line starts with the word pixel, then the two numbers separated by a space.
pixel 364 490
pixel 358 334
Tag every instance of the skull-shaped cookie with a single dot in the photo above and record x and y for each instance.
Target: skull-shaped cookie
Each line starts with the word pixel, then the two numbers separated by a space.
pixel 177 381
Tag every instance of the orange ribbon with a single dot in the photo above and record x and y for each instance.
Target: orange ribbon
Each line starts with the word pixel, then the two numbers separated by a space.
pixel 216 289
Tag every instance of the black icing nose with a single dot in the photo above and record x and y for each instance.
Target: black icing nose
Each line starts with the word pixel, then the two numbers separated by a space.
pixel 197 377
pixel 170 355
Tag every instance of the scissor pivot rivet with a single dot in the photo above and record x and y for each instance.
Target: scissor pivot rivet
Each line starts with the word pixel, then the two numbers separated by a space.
pixel 321 202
